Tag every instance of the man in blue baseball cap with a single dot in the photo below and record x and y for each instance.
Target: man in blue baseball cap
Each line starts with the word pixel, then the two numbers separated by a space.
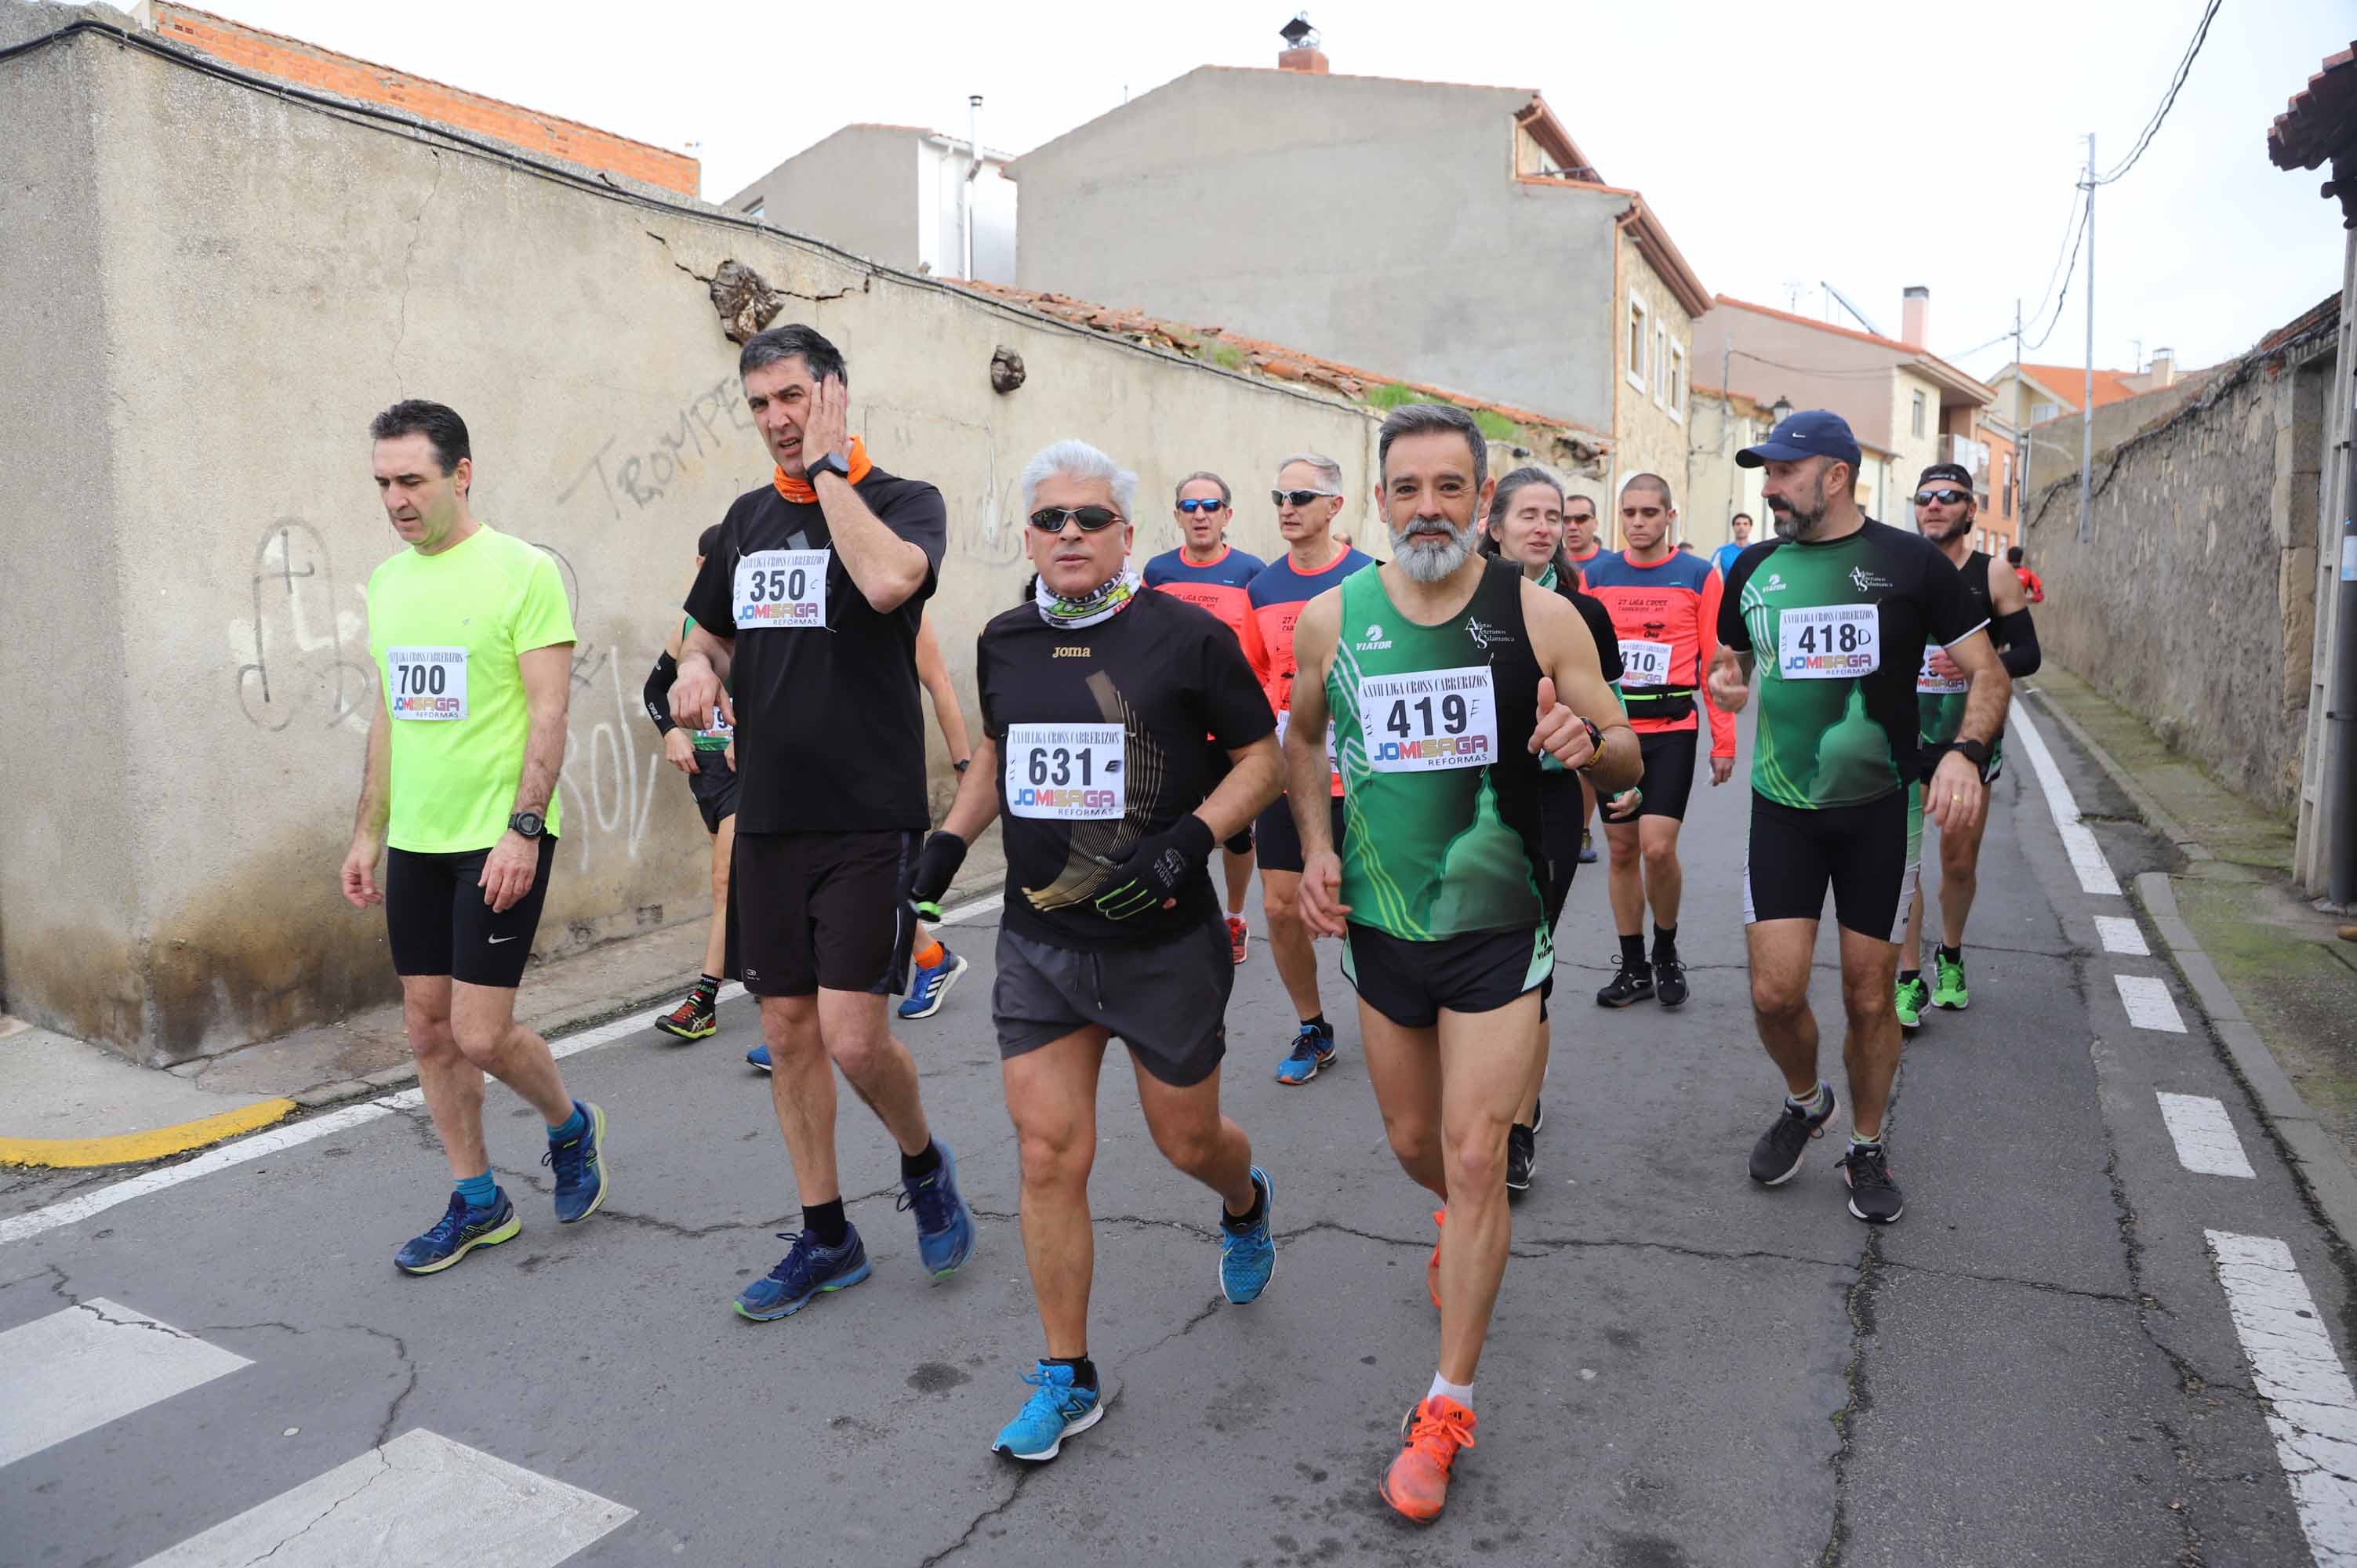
pixel 1839 609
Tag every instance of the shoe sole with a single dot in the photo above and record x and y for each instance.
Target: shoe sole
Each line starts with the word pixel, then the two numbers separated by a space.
pixel 1268 1208
pixel 1668 1006
pixel 1871 1219
pixel 597 1122
pixel 827 1289
pixel 1644 995
pixel 508 1232
pixel 1951 1006
pixel 1907 1027
pixel 1305 1077
pixel 677 1033
pixel 761 1067
pixel 1405 1512
pixel 1073 1430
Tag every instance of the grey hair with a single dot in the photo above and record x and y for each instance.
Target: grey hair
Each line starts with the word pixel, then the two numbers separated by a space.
pixel 794 340
pixel 1330 472
pixel 1227 496
pixel 1078 460
pixel 1435 418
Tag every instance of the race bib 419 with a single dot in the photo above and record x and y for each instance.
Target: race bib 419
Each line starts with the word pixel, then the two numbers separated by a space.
pixel 1430 719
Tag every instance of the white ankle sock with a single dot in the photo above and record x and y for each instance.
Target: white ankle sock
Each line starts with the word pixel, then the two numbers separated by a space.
pixel 1442 1388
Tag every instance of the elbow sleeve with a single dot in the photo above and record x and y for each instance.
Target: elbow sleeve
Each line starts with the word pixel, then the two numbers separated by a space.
pixel 2019 636
pixel 657 693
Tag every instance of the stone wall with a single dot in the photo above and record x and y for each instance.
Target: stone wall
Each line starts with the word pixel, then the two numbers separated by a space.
pixel 230 284
pixel 2193 603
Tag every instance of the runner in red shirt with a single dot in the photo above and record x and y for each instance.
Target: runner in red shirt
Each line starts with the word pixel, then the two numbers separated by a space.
pixel 2030 584
pixel 1664 605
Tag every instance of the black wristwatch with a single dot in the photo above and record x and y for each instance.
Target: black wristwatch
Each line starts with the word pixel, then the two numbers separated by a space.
pixel 964 765
pixel 833 463
pixel 527 824
pixel 1976 753
pixel 1596 744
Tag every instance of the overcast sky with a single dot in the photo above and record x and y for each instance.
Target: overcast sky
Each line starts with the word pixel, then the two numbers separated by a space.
pixel 1867 145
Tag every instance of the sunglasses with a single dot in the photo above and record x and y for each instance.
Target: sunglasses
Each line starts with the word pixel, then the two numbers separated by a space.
pixel 1944 498
pixel 1297 498
pixel 1191 506
pixel 1092 518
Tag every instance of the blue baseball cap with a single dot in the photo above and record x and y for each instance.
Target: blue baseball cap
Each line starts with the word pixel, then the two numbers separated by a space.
pixel 1812 433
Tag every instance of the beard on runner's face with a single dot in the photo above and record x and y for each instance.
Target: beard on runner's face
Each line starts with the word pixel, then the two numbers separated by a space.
pixel 1430 548
pixel 1793 523
pixel 1956 530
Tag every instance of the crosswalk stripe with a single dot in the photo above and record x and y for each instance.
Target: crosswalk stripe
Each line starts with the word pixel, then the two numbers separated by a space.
pixel 2204 1136
pixel 2122 935
pixel 420 1498
pixel 75 1370
pixel 2078 840
pixel 2312 1407
pixel 2149 1003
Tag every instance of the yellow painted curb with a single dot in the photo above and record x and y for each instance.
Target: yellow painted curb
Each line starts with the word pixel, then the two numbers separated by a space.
pixel 131 1148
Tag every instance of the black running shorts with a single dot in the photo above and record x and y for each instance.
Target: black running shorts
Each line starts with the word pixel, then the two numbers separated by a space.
pixel 1166 1001
pixel 1669 773
pixel 715 785
pixel 436 923
pixel 1279 842
pixel 1867 854
pixel 1410 982
pixel 823 909
pixel 1563 813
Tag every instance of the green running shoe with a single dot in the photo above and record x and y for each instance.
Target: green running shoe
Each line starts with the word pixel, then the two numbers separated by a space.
pixel 1912 998
pixel 1949 991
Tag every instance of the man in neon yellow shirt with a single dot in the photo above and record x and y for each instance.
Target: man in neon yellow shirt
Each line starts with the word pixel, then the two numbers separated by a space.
pixel 473 645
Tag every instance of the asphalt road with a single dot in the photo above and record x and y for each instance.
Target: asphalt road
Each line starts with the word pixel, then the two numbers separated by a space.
pixel 2037 1365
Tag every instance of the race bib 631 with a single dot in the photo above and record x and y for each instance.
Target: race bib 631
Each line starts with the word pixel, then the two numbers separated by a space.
pixel 1066 773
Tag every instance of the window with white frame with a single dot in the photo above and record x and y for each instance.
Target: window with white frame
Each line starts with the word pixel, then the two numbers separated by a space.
pixel 1677 380
pixel 757 208
pixel 1916 419
pixel 1661 364
pixel 1640 340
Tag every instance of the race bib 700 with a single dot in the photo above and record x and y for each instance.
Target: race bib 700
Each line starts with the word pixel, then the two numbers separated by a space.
pixel 427 683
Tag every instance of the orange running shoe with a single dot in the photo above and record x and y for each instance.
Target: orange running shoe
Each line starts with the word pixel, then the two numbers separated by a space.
pixel 1432 1269
pixel 1430 1435
pixel 1238 933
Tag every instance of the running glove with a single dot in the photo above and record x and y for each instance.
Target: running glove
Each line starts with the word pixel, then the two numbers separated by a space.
pixel 1158 866
pixel 937 866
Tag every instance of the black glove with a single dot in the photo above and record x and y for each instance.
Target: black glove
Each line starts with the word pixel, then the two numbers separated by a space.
pixel 1159 865
pixel 936 868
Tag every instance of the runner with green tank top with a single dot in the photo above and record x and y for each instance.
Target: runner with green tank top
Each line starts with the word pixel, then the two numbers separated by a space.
pixel 1440 672
pixel 706 755
pixel 1839 609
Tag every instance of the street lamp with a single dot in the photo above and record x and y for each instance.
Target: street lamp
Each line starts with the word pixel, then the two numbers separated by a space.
pixel 1780 411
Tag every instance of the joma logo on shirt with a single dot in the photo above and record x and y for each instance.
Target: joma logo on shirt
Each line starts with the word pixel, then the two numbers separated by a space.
pixel 1066 650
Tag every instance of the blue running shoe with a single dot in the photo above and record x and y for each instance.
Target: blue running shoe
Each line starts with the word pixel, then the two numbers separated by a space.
pixel 944 1224
pixel 1248 1257
pixel 1312 1048
pixel 1057 1411
pixel 460 1232
pixel 806 1273
pixel 759 1056
pixel 580 1166
pixel 931 986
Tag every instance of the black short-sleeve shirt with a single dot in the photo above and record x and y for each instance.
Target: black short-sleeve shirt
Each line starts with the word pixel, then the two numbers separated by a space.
pixel 1599 625
pixel 830 722
pixel 1100 736
pixel 1839 628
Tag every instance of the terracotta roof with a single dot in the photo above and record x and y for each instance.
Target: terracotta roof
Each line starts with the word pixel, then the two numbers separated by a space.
pixel 1744 402
pixel 1923 357
pixel 1272 361
pixel 2322 120
pixel 2069 382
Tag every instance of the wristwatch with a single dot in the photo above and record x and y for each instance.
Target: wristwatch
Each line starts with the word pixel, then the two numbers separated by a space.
pixel 527 824
pixel 833 463
pixel 1595 744
pixel 1976 753
pixel 963 764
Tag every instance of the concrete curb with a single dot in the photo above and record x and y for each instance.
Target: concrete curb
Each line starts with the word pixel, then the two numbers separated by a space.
pixel 2322 1168
pixel 2154 813
pixel 135 1148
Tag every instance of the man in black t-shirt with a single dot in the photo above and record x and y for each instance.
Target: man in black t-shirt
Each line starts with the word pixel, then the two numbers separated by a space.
pixel 807 607
pixel 1096 698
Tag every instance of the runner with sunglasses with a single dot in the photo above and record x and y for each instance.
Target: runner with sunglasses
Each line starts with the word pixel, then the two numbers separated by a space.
pixel 1308 497
pixel 1945 512
pixel 1206 571
pixel 1096 698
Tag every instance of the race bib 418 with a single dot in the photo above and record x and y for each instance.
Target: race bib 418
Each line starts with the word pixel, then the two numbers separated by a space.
pixel 1831 642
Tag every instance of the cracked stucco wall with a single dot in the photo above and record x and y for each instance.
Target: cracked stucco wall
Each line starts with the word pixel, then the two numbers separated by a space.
pixel 229 284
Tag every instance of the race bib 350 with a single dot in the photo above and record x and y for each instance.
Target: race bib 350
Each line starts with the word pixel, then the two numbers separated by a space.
pixel 780 588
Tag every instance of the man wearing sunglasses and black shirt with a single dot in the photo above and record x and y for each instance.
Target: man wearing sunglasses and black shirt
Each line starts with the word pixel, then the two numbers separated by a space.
pixel 808 607
pixel 1945 514
pixel 1096 698
pixel 1206 571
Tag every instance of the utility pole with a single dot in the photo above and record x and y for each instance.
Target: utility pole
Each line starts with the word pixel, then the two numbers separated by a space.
pixel 2028 443
pixel 2087 402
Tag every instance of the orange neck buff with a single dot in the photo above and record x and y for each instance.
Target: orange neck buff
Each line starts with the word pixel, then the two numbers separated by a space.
pixel 801 490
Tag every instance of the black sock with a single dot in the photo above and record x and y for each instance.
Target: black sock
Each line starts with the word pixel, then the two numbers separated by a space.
pixel 825 1221
pixel 1954 955
pixel 708 989
pixel 1632 952
pixel 1084 1372
pixel 1910 976
pixel 1239 1223
pixel 1665 943
pixel 917 1166
pixel 1319 1023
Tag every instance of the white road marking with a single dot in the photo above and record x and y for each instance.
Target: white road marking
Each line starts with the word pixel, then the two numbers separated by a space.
pixel 75 1370
pixel 2204 1136
pixel 2149 1003
pixel 2077 839
pixel 966 911
pixel 419 1499
pixel 2314 1413
pixel 2122 935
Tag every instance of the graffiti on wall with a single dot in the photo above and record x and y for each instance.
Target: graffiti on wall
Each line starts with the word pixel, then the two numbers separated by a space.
pixel 304 654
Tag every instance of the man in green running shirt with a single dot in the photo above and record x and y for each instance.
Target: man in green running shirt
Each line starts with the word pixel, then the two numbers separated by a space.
pixel 1840 608
pixel 1435 668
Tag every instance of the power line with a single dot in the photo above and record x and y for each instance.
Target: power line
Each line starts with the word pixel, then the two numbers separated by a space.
pixel 2069 268
pixel 2152 127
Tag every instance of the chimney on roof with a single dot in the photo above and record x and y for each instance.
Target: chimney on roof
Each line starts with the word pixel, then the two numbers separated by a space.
pixel 2163 372
pixel 1914 316
pixel 1300 52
